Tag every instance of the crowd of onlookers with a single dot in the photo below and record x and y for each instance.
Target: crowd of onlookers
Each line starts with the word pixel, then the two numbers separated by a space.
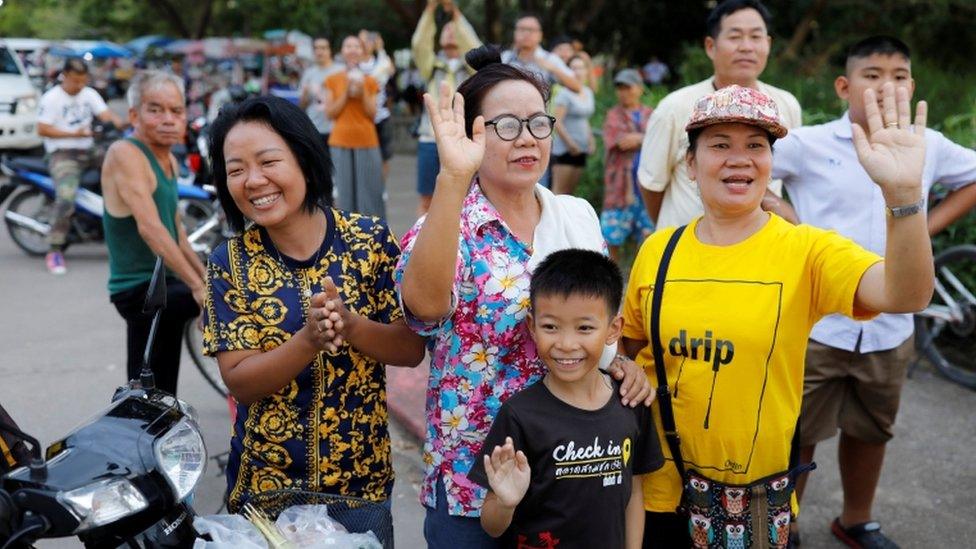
pixel 766 325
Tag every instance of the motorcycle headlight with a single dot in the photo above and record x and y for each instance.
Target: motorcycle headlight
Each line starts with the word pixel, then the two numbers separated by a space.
pixel 26 104
pixel 181 456
pixel 104 502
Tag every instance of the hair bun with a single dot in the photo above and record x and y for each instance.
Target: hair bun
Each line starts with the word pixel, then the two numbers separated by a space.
pixel 483 56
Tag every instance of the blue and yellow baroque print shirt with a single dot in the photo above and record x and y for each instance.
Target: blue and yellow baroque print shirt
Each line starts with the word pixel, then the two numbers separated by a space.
pixel 326 431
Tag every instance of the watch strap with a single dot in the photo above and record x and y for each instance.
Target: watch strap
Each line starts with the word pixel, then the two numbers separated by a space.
pixel 905 211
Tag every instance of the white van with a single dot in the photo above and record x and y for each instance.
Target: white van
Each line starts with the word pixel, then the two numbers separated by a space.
pixel 18 104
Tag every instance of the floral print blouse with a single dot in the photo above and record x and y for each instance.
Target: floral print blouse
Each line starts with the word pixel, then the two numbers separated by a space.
pixel 482 353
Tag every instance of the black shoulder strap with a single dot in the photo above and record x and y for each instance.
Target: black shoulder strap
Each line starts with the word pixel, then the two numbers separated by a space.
pixel 663 391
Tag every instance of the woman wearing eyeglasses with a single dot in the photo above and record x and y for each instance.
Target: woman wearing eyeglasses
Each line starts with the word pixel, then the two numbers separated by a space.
pixel 464 276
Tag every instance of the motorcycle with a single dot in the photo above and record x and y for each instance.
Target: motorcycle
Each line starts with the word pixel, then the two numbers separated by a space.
pixel 32 191
pixel 123 478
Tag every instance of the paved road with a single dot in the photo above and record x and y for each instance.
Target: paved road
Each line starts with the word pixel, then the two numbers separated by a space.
pixel 62 345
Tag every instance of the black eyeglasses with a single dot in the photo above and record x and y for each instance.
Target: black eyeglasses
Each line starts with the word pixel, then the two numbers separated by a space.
pixel 509 127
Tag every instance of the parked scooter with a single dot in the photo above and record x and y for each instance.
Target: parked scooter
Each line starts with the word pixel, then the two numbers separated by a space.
pixel 31 191
pixel 123 478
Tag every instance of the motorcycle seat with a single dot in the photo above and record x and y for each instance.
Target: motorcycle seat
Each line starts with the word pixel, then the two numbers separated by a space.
pixel 35 164
pixel 92 180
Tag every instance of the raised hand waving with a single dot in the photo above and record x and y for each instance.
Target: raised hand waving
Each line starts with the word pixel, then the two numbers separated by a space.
pixel 460 155
pixel 892 150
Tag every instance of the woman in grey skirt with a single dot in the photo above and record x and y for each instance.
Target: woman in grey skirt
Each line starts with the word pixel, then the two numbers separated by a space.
pixel 355 147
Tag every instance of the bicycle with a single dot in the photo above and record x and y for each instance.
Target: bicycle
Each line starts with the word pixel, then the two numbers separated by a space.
pixel 206 365
pixel 945 331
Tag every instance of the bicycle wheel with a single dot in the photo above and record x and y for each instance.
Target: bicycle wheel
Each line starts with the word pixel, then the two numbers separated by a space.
pixel 950 345
pixel 203 225
pixel 193 339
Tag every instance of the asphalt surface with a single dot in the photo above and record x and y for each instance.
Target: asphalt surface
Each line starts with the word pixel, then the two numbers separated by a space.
pixel 61 357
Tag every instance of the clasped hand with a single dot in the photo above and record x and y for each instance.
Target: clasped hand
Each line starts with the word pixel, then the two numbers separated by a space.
pixel 329 319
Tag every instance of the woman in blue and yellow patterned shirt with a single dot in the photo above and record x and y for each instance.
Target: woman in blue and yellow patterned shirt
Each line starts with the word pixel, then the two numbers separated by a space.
pixel 302 355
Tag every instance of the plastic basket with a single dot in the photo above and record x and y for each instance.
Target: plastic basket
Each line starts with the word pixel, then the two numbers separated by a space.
pixel 357 515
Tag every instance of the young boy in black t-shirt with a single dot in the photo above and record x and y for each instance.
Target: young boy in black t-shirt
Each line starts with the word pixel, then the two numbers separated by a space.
pixel 564 458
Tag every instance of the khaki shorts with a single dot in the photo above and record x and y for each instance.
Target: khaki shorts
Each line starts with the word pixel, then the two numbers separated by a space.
pixel 857 393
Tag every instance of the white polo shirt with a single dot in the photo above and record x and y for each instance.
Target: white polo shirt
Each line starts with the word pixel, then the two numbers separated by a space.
pixel 829 188
pixel 662 156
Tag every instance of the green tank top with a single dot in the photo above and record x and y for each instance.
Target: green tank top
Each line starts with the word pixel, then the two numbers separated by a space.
pixel 130 260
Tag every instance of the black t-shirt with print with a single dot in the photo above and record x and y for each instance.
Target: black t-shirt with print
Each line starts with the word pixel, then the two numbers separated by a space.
pixel 582 465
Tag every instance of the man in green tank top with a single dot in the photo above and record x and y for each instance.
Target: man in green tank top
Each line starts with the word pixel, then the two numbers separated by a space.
pixel 142 222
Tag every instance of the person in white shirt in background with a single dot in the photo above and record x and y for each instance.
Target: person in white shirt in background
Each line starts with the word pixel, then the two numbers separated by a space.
pixel 312 93
pixel 64 121
pixel 855 370
pixel 573 141
pixel 456 39
pixel 738 44
pixel 527 53
pixel 379 65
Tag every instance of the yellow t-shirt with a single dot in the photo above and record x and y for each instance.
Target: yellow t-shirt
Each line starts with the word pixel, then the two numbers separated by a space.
pixel 734 327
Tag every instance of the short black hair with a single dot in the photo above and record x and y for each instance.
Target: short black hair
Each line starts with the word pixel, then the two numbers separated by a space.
pixel 713 24
pixel 878 45
pixel 578 272
pixel 529 14
pixel 560 40
pixel 489 72
pixel 291 123
pixel 75 65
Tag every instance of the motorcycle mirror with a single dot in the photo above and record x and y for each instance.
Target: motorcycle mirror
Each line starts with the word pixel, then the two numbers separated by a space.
pixel 154 304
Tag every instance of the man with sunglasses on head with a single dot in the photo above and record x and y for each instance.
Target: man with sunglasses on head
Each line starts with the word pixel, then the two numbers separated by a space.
pixel 65 122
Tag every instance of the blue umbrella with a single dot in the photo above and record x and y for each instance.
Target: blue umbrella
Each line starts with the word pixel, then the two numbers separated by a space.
pixel 104 50
pixel 141 44
pixel 98 50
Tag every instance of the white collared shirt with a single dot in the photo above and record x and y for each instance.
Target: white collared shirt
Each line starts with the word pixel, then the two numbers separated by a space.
pixel 829 188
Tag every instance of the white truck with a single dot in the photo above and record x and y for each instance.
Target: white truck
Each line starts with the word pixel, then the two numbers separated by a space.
pixel 18 104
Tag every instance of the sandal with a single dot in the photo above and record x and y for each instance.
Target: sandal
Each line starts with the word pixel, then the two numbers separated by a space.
pixel 866 535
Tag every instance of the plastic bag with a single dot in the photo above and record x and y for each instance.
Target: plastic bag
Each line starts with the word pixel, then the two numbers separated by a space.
pixel 228 532
pixel 311 527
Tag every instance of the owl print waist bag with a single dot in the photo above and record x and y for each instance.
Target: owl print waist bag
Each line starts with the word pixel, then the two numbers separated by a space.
pixel 721 515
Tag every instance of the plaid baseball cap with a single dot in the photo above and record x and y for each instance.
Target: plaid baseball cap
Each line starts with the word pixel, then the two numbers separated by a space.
pixel 737 104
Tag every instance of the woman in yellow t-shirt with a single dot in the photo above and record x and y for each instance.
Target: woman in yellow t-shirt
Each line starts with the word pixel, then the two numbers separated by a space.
pixel 743 290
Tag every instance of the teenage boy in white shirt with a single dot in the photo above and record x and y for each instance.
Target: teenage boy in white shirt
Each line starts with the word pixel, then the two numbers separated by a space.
pixel 855 370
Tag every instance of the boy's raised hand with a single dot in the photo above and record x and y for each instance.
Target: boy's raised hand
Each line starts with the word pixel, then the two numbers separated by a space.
pixel 508 473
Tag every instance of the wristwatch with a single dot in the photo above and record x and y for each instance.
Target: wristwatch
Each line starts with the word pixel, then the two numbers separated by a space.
pixel 905 211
